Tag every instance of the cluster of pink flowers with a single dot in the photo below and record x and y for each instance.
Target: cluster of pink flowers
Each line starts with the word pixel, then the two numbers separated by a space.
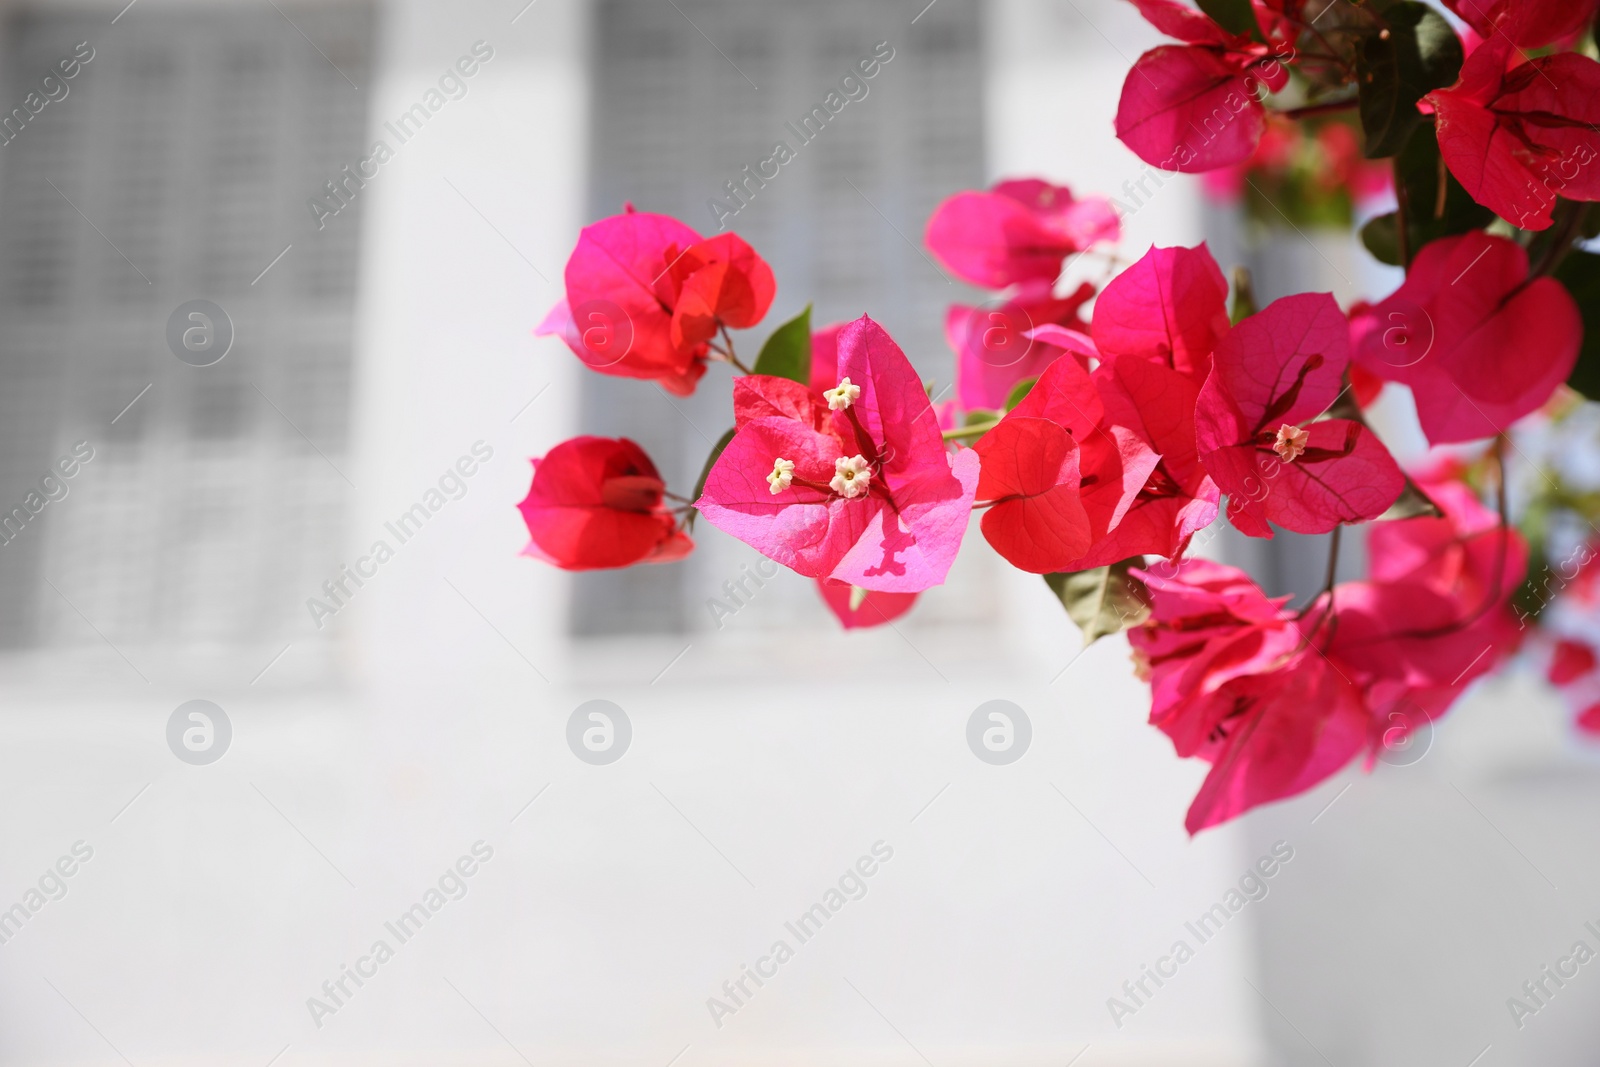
pixel 1108 441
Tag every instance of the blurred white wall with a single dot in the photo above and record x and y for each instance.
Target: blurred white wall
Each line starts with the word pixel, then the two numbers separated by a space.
pixel 1018 900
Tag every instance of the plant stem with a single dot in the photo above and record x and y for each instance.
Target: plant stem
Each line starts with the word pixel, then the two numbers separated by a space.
pixel 1333 563
pixel 977 429
pixel 1561 242
pixel 728 352
pixel 1402 218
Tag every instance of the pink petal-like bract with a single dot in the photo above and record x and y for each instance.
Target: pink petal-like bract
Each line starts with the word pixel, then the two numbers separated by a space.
pixel 1185 23
pixel 620 292
pixel 1527 23
pixel 1434 616
pixel 1570 661
pixel 1114 463
pixel 596 502
pixel 902 534
pixel 1030 472
pixel 1282 733
pixel 1517 139
pixel 1233 683
pixel 1020 231
pixel 875 609
pixel 1479 344
pixel 1190 108
pixel 724 283
pixel 1276 370
pixel 1179 499
pixel 1171 306
pixel 995 345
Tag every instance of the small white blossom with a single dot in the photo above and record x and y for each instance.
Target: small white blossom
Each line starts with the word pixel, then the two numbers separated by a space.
pixel 851 476
pixel 842 395
pixel 1291 442
pixel 782 474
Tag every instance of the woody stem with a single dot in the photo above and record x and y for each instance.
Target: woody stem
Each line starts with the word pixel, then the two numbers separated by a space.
pixel 728 351
pixel 1327 585
pixel 1561 243
pixel 1402 216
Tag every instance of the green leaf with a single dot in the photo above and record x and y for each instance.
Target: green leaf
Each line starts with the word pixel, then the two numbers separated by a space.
pixel 1106 600
pixel 1418 168
pixel 705 472
pixel 1244 296
pixel 979 416
pixel 1235 16
pixel 1580 273
pixel 1019 391
pixel 1381 235
pixel 1397 66
pixel 787 353
pixel 1590 228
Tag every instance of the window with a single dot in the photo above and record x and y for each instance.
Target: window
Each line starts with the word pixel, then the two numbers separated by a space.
pixel 176 167
pixel 841 224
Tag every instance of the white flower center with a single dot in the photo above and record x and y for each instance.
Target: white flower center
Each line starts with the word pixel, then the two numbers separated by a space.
pixel 782 475
pixel 850 476
pixel 1291 442
pixel 842 395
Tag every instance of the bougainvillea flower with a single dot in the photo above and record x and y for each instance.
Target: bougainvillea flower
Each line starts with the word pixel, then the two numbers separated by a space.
pixel 1589 720
pixel 1527 23
pixel 1170 307
pixel 1035 471
pixel 724 284
pixel 1570 661
pixel 857 609
pixel 1275 735
pixel 1179 499
pixel 1030 477
pixel 1517 138
pixel 1434 615
pixel 596 502
pixel 1208 624
pixel 1479 343
pixel 1455 555
pixel 1196 106
pixel 644 294
pixel 994 351
pixel 1233 682
pixel 1018 231
pixel 1132 417
pixel 1272 373
pixel 870 497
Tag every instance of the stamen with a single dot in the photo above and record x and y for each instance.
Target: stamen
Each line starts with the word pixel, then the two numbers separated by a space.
pixel 851 476
pixel 1291 442
pixel 842 395
pixel 782 475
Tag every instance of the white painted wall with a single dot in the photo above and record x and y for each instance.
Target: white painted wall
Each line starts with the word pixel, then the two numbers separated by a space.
pixel 1018 900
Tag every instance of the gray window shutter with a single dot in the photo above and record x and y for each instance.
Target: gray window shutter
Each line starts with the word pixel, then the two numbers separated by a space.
pixel 191 142
pixel 841 224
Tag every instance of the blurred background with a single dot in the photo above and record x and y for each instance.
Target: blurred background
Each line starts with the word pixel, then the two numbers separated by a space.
pixel 365 342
